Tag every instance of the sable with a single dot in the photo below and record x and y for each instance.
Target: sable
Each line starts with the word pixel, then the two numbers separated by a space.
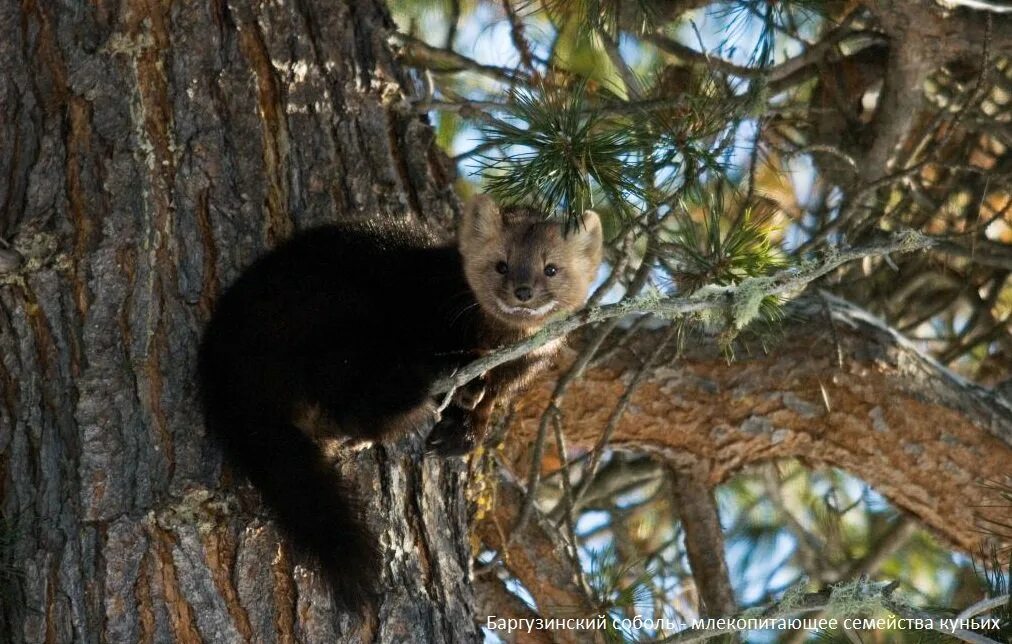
pixel 341 332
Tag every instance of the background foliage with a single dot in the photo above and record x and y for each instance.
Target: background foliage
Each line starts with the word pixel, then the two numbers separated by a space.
pixel 725 140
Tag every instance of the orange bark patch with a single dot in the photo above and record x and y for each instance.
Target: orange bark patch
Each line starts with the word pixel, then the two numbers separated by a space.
pixel 181 618
pixel 923 455
pixel 275 131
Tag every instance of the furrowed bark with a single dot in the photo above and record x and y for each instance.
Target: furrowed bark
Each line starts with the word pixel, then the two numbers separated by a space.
pixel 149 152
pixel 537 558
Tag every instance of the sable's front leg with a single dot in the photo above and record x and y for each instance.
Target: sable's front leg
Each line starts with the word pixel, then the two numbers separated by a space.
pixel 459 431
pixel 453 434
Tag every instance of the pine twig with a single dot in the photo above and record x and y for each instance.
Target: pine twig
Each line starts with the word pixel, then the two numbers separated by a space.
pixel 598 451
pixel 958 633
pixel 517 35
pixel 534 478
pixel 782 283
pixel 982 606
pixel 422 54
pixel 789 607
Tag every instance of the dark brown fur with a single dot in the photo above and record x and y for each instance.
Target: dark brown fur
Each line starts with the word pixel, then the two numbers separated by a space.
pixel 340 333
pixel 527 245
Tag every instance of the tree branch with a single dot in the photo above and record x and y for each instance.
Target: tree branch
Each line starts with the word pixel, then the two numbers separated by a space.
pixel 495 599
pixel 704 538
pixel 778 77
pixel 881 392
pixel 747 292
pixel 842 598
pixel 419 53
pixel 536 558
pixel 959 633
pixel 793 606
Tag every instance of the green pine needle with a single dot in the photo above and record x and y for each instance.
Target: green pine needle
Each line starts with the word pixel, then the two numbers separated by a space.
pixel 721 248
pixel 610 16
pixel 560 155
pixel 997 576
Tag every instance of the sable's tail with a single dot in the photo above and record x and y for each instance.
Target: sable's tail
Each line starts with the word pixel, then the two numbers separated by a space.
pixel 315 507
pixel 317 510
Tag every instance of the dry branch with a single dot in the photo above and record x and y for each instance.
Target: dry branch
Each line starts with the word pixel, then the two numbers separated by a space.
pixel 750 290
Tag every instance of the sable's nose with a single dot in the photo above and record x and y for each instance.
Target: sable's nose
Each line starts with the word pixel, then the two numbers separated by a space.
pixel 523 293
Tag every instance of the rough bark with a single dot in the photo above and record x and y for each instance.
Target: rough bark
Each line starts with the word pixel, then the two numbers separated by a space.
pixel 148 152
pixel 840 389
pixel 537 558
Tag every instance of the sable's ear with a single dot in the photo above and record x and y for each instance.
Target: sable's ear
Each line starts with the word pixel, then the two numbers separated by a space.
pixel 481 221
pixel 589 237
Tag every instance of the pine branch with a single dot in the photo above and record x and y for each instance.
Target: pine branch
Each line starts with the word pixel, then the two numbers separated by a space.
pixel 795 604
pixel 780 76
pixel 517 35
pixel 561 155
pixel 980 5
pixel 635 108
pixel 959 633
pixel 640 280
pixel 984 605
pixel 849 599
pixel 741 297
pixel 419 53
pixel 704 538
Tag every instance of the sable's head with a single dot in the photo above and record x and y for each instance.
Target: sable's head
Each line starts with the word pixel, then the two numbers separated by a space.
pixel 522 268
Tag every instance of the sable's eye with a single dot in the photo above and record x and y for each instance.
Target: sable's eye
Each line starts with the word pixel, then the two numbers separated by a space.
pixel 501 268
pixel 551 270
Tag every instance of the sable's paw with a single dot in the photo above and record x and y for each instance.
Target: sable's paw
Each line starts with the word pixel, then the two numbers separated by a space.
pixel 452 435
pixel 449 444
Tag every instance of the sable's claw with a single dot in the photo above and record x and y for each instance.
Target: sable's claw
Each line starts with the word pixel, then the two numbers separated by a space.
pixel 451 436
pixel 449 444
pixel 447 447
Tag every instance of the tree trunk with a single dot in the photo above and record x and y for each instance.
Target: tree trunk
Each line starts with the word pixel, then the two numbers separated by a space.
pixel 148 152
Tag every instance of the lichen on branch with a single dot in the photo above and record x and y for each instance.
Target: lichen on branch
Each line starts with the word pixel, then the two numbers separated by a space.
pixel 739 297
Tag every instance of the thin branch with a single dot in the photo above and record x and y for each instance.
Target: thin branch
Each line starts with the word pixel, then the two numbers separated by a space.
pixel 898 535
pixel 826 149
pixel 640 280
pixel 478 109
pixel 982 606
pixel 568 503
pixel 535 557
pixel 633 86
pixel 983 252
pixel 419 53
pixel 704 538
pixel 959 633
pixel 617 413
pixel 783 283
pixel 980 5
pixel 517 35
pixel 451 32
pixel 795 606
pixel 809 547
pixel 494 598
pixel 778 77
